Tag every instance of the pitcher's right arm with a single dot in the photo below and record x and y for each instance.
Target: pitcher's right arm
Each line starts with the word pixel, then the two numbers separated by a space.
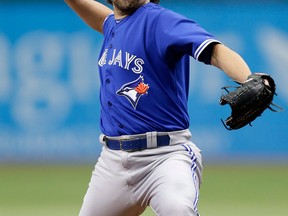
pixel 91 12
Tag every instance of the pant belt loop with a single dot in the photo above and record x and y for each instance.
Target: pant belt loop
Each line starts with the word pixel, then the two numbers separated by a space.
pixel 151 139
pixel 102 139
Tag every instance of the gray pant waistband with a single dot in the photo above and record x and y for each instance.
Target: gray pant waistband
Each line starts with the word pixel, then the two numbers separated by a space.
pixel 176 137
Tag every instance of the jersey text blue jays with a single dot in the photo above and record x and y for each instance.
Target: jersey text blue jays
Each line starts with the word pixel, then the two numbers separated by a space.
pixel 122 59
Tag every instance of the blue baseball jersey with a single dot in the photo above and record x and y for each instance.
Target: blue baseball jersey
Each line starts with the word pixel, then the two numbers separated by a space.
pixel 144 70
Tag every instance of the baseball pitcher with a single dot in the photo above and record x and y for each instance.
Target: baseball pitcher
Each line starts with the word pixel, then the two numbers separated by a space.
pixel 148 158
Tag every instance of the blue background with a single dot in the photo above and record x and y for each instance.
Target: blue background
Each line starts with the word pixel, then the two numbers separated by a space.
pixel 49 86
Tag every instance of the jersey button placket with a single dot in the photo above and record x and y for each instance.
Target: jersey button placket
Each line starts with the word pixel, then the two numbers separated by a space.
pixel 112 36
pixel 107 82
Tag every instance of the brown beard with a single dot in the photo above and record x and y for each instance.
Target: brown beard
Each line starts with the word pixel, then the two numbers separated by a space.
pixel 153 1
pixel 128 6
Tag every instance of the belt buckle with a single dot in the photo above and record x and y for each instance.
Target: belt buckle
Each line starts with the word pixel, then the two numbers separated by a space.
pixel 121 140
pixel 129 148
pixel 121 146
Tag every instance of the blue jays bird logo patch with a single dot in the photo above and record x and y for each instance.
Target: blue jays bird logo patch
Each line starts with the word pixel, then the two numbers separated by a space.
pixel 134 90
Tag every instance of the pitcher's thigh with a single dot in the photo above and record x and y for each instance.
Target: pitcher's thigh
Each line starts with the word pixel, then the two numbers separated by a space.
pixel 108 198
pixel 176 188
pixel 99 198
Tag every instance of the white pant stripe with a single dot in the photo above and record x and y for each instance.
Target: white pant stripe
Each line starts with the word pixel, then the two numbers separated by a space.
pixel 193 169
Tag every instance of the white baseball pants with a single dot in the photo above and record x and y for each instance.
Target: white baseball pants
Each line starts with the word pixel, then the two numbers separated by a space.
pixel 165 178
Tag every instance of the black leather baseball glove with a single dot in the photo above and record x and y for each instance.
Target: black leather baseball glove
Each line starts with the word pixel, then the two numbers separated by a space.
pixel 249 100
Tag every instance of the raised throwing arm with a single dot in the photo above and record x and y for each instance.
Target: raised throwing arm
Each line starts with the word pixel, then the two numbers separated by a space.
pixel 92 12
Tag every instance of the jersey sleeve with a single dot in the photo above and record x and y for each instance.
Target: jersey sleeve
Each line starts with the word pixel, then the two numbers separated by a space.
pixel 175 33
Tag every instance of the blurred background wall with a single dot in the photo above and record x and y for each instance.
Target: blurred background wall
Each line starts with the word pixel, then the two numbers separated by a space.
pixel 49 86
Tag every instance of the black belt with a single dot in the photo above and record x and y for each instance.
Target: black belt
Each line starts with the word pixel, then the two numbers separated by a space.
pixel 135 144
